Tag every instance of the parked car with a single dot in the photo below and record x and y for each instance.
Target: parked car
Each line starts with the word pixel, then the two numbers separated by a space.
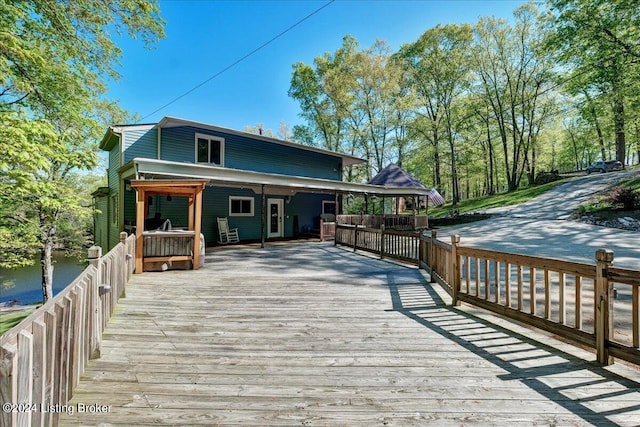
pixel 605 166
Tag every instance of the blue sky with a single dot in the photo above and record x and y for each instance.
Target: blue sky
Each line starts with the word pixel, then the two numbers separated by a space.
pixel 204 37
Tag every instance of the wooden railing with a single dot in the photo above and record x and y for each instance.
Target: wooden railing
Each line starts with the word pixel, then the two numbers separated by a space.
pixel 401 245
pixel 391 222
pixel 595 305
pixel 327 230
pixel 43 357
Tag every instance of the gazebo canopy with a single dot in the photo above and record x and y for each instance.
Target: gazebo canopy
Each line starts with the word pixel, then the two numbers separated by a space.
pixel 394 176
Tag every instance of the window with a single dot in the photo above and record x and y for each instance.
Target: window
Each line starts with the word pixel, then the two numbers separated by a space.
pixel 209 149
pixel 328 207
pixel 240 206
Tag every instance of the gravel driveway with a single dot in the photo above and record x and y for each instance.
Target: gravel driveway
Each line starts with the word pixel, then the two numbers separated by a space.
pixel 541 226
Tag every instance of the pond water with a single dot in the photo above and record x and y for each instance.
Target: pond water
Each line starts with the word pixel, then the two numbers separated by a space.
pixel 27 281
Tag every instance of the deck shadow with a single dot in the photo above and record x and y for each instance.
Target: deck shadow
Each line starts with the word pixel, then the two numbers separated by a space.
pixel 579 386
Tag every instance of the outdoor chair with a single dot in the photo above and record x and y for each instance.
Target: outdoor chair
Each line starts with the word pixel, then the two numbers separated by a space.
pixel 226 235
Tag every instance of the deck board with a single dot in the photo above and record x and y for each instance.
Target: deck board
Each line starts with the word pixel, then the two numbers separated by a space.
pixel 311 334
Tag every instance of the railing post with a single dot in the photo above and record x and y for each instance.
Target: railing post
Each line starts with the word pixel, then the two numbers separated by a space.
pixel 355 237
pixel 382 245
pixel 455 269
pixel 125 265
pixel 432 256
pixel 95 255
pixel 321 230
pixel 604 306
pixel 421 250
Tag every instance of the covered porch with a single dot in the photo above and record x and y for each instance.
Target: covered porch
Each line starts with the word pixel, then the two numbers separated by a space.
pixel 269 206
pixel 312 334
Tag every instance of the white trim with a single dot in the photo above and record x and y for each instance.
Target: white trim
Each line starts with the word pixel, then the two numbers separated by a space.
pixel 280 204
pixel 121 128
pixel 243 178
pixel 241 198
pixel 326 202
pixel 209 138
pixel 120 150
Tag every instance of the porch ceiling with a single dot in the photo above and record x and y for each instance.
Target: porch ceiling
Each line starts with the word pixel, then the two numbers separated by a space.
pixel 285 184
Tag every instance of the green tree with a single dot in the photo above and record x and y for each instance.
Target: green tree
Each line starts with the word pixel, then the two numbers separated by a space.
pixel 598 41
pixel 320 104
pixel 438 68
pixel 55 59
pixel 352 101
pixel 514 77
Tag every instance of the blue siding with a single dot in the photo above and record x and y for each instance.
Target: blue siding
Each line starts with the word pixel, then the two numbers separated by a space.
pixel 178 144
pixel 101 218
pixel 306 206
pixel 216 203
pixel 140 143
pixel 112 225
pixel 130 207
pixel 112 170
pixel 241 152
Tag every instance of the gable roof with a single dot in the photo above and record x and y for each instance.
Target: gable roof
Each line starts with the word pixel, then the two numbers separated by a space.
pixel 394 176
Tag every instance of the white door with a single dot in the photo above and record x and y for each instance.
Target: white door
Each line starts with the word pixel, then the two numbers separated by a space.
pixel 275 218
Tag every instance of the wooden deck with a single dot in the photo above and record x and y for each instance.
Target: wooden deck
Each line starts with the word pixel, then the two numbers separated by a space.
pixel 312 334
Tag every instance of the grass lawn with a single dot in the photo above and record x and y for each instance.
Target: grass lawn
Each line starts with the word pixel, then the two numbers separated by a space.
pixel 480 204
pixel 10 319
pixel 601 205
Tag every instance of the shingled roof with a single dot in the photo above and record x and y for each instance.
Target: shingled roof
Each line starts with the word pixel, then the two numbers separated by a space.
pixel 394 176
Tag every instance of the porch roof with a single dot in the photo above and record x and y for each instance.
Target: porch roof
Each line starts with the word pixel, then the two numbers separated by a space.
pixel 163 169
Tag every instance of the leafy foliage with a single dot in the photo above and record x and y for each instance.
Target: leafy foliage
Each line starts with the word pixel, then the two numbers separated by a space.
pixel 55 57
pixel 597 42
pixel 628 198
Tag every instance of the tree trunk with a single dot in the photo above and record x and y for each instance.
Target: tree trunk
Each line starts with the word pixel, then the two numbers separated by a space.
pixel 596 122
pixel 618 118
pixel 46 262
pixel 436 161
pixel 492 185
pixel 603 152
pixel 455 188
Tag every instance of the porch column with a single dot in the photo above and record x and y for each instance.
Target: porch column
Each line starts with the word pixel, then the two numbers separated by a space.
pixel 426 209
pixel 140 210
pixel 335 224
pixel 191 212
pixel 264 213
pixel 415 218
pixel 198 226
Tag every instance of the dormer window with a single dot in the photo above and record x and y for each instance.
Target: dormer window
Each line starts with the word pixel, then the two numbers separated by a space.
pixel 209 149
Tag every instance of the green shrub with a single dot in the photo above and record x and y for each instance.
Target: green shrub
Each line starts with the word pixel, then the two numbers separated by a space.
pixel 547 177
pixel 628 198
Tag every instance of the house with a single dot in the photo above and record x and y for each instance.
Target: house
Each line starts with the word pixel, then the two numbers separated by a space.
pixel 266 187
